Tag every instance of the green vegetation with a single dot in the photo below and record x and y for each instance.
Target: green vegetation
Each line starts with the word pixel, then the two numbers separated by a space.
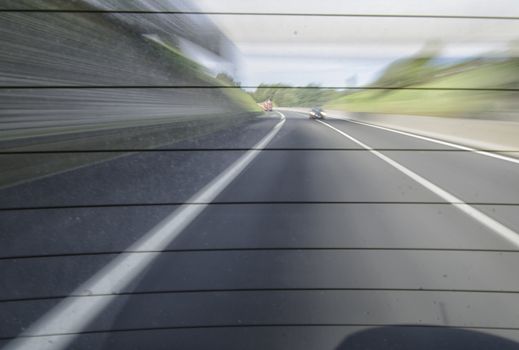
pixel 236 94
pixel 423 73
pixel 196 74
pixel 286 96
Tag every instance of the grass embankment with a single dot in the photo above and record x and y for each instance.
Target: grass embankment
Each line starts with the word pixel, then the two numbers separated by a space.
pixel 198 75
pixel 447 103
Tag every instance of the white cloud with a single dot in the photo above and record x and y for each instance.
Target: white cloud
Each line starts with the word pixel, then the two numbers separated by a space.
pixel 326 50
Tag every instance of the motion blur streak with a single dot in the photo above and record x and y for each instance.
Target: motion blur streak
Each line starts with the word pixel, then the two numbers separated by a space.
pixel 74 49
pixel 150 196
pixel 74 313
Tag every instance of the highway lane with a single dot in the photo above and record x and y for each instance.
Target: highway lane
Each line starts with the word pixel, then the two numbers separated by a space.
pixel 316 236
pixel 473 177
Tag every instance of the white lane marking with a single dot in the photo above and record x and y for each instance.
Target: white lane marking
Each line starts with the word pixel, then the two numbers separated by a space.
pixel 430 139
pixel 74 313
pixel 479 216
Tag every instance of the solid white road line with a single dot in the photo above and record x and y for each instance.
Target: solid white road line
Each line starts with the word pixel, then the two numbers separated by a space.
pixel 74 313
pixel 482 218
pixel 445 143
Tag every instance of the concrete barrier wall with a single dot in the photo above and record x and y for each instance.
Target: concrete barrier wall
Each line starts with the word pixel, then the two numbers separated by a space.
pixel 480 134
pixel 80 52
pixel 92 49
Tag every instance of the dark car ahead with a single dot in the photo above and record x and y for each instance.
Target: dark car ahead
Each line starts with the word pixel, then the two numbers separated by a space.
pixel 317 113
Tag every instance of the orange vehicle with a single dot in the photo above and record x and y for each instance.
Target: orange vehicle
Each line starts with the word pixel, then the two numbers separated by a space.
pixel 267 105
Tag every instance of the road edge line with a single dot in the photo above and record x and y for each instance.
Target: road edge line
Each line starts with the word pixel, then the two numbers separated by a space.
pixel 434 140
pixel 482 218
pixel 73 314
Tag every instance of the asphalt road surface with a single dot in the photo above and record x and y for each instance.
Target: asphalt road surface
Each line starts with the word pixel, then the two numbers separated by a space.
pixel 282 233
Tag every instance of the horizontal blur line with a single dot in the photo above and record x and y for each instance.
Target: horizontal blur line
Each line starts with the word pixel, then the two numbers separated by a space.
pixel 267 325
pixel 257 249
pixel 166 150
pixel 187 87
pixel 361 15
pixel 266 290
pixel 167 204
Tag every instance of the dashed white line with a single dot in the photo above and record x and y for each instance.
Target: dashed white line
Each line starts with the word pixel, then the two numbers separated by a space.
pixel 55 330
pixel 479 216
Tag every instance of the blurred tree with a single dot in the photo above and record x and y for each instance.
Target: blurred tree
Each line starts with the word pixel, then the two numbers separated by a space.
pixel 288 96
pixel 226 79
pixel 413 70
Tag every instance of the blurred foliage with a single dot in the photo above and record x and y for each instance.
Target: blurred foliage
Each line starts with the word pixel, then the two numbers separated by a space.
pixel 413 70
pixel 424 70
pixel 193 70
pixel 476 73
pixel 227 80
pixel 287 96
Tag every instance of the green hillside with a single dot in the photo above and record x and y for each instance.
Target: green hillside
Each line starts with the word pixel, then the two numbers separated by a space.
pixel 479 74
